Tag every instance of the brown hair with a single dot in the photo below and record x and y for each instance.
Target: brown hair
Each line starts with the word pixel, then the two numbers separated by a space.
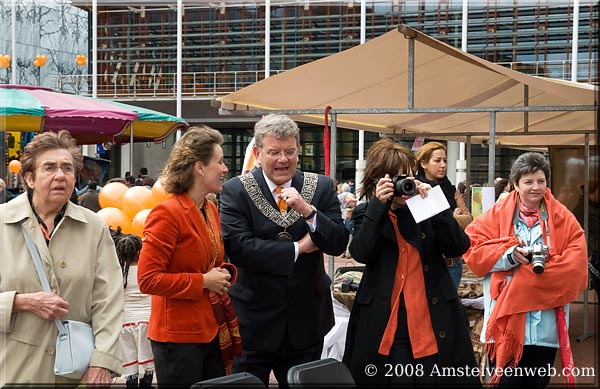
pixel 424 154
pixel 197 144
pixel 50 141
pixel 386 156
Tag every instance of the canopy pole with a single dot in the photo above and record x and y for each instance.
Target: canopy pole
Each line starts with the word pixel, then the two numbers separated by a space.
pixel 468 174
pixel 131 147
pixel 332 164
pixel 360 164
pixel 586 198
pixel 411 73
pixel 492 149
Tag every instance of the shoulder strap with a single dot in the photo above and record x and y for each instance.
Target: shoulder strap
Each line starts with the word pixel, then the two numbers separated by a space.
pixel 35 255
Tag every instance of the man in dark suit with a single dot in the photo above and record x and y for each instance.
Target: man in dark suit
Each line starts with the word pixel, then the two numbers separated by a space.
pixel 277 222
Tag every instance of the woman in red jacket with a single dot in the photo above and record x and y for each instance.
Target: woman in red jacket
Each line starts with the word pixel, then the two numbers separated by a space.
pixel 192 329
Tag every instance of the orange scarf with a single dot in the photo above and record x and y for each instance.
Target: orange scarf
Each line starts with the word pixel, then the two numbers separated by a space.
pixel 230 341
pixel 491 235
pixel 409 279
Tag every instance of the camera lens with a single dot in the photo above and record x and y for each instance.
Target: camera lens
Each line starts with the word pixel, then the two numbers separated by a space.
pixel 403 186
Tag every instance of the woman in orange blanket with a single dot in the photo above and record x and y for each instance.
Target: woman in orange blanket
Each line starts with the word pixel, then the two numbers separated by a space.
pixel 193 329
pixel 532 254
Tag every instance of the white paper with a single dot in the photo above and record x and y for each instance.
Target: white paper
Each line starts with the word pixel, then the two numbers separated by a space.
pixel 424 208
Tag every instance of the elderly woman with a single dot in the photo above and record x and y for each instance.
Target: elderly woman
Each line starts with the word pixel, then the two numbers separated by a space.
pixel 431 168
pixel 193 330
pixel 527 292
pixel 81 265
pixel 406 313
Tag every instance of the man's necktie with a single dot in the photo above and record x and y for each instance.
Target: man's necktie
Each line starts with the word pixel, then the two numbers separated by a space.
pixel 281 202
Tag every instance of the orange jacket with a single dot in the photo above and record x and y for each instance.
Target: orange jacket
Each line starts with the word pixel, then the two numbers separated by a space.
pixel 176 252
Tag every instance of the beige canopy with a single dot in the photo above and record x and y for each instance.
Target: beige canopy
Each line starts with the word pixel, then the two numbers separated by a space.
pixel 455 94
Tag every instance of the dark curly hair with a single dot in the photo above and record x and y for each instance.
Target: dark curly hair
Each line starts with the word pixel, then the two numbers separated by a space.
pixel 128 250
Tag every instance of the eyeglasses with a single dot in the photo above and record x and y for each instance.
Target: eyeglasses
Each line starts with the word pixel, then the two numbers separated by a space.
pixel 289 153
pixel 50 168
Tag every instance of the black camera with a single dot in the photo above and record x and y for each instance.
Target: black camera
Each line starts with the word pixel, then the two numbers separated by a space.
pixel 403 186
pixel 349 286
pixel 537 255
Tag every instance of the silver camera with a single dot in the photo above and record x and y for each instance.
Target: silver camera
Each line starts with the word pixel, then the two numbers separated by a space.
pixel 537 255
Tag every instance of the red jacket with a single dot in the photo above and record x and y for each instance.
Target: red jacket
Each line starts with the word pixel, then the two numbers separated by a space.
pixel 176 252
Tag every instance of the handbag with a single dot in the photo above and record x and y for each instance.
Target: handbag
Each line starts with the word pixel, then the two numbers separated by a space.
pixel 75 339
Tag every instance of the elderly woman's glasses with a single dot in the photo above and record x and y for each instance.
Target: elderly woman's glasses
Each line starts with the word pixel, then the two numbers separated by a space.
pixel 49 168
pixel 289 153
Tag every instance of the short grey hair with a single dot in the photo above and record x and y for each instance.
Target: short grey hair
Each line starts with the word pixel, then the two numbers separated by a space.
pixel 279 126
pixel 529 163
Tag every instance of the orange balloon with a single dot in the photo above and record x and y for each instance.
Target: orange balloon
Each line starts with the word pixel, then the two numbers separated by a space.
pixel 111 194
pixel 137 224
pixel 136 199
pixel 114 217
pixel 14 166
pixel 158 192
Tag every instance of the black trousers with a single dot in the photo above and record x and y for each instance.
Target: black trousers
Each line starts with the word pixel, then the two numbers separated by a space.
pixel 533 357
pixel 184 364
pixel 261 363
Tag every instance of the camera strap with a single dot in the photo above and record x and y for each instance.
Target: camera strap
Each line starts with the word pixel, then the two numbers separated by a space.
pixel 542 213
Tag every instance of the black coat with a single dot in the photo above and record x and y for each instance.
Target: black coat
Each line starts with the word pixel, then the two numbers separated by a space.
pixel 272 292
pixel 374 244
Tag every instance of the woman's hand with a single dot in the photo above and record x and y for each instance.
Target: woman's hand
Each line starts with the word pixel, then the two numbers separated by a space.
pixel 217 280
pixel 47 305
pixel 97 375
pixel 384 190
pixel 519 254
pixel 422 188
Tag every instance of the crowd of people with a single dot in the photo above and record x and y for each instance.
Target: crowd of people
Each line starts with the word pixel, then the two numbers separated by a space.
pixel 238 284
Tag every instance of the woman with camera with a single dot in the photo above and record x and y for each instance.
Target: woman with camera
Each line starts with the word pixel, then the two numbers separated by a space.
pixel 406 325
pixel 532 254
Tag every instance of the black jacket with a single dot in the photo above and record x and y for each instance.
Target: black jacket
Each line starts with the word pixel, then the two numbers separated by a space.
pixel 272 292
pixel 374 244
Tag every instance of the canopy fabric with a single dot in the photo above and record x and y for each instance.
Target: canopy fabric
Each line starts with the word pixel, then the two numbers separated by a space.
pixel 374 75
pixel 89 120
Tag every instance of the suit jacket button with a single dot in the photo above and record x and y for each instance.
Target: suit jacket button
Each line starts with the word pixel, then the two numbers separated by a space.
pixel 426 267
pixel 442 334
pixel 50 350
pixel 62 264
pixel 434 300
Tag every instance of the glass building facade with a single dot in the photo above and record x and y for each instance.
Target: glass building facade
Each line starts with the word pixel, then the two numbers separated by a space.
pixel 224 47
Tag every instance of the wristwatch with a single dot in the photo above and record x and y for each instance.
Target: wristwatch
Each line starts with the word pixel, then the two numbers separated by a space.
pixel 312 214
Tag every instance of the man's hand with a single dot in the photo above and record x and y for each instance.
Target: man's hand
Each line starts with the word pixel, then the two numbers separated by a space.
pixel 294 200
pixel 306 245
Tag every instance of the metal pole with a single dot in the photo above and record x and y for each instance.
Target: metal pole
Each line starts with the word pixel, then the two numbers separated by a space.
pixel 359 164
pixel 492 149
pixel 131 147
pixel 267 38
pixel 13 65
pixel 95 48
pixel 586 198
pixel 179 64
pixel 575 41
pixel 332 165
pixel 411 73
